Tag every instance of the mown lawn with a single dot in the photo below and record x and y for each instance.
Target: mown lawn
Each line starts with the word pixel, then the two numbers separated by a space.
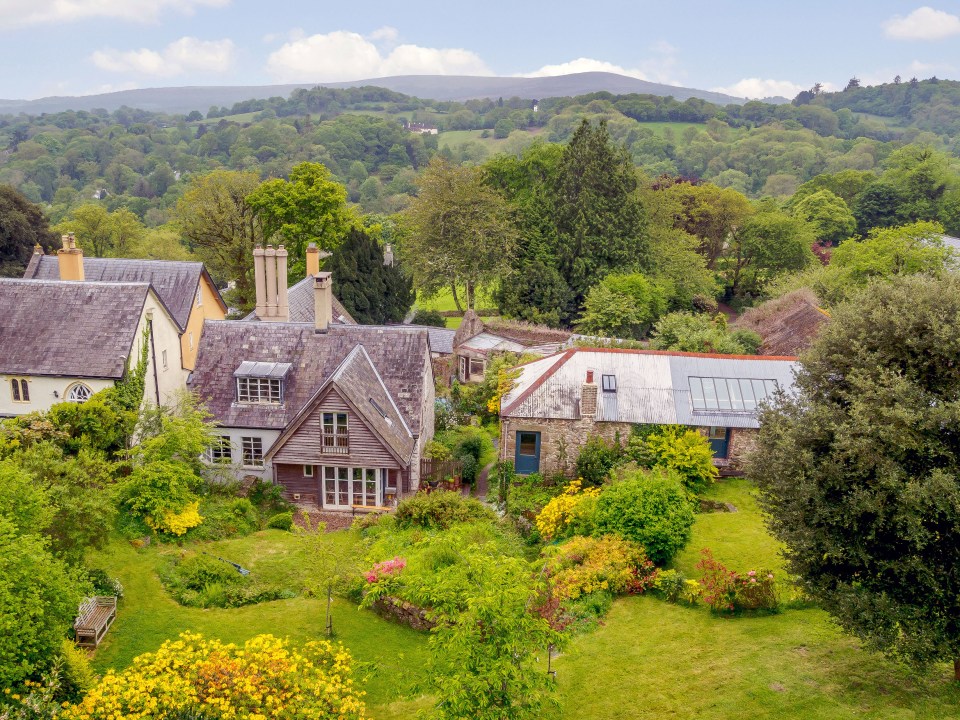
pixel 385 654
pixel 651 659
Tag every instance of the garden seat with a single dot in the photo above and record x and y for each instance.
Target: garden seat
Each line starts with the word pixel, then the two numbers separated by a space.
pixel 94 617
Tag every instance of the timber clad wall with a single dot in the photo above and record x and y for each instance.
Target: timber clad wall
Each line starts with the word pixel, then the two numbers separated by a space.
pixel 305 446
pixel 292 479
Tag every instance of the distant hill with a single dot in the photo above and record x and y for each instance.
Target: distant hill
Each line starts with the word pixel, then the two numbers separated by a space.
pixel 177 100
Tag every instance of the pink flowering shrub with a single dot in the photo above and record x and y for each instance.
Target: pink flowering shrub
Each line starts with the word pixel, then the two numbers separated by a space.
pixel 726 590
pixel 385 569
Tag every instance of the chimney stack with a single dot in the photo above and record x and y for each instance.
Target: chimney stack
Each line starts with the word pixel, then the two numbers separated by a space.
pixel 270 276
pixel 588 398
pixel 323 301
pixel 70 259
pixel 388 255
pixel 260 280
pixel 313 259
pixel 283 307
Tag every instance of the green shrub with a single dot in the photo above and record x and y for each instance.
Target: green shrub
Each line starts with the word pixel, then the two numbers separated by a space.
pixel 268 497
pixel 103 584
pixel 686 452
pixel 596 459
pixel 471 445
pixel 281 521
pixel 199 571
pixel 76 673
pixel 439 510
pixel 432 318
pixel 156 491
pixel 650 508
pixel 469 468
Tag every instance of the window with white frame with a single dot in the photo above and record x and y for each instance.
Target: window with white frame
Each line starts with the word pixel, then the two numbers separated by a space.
pixel 334 435
pixel 730 394
pixel 464 374
pixel 252 451
pixel 308 470
pixel 476 366
pixel 220 450
pixel 259 390
pixel 20 390
pixel 347 486
pixel 78 392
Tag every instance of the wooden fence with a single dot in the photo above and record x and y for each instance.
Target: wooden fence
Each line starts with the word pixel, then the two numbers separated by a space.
pixel 436 471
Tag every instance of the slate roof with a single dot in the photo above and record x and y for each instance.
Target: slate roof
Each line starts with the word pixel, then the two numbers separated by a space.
pixel 651 386
pixel 357 380
pixel 400 358
pixel 68 329
pixel 300 300
pixel 175 282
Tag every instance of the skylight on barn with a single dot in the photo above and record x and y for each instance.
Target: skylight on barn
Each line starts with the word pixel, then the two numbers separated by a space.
pixel 729 394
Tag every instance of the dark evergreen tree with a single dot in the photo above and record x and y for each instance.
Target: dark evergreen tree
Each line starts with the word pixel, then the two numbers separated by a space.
pixel 601 223
pixel 22 227
pixel 372 292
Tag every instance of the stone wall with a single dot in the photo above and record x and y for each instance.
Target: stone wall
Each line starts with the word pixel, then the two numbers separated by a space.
pixel 560 440
pixel 403 612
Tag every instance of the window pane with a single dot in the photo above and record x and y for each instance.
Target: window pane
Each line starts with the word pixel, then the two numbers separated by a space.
pixel 771 386
pixel 15 386
pixel 528 443
pixel 723 395
pixel 710 394
pixel 759 389
pixel 342 421
pixel 749 399
pixel 696 394
pixel 736 396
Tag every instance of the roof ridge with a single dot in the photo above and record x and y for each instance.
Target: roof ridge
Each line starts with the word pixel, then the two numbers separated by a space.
pixel 682 353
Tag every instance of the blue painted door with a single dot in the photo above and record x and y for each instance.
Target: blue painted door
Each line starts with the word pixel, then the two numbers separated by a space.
pixel 720 441
pixel 528 452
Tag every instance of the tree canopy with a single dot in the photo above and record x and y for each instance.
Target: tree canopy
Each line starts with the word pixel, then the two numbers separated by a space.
pixel 372 292
pixel 859 469
pixel 22 227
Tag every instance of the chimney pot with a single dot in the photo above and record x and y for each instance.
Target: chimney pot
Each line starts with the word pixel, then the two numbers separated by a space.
pixel 589 376
pixel 283 306
pixel 260 280
pixel 323 301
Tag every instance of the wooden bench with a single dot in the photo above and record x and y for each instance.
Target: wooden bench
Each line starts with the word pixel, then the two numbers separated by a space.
pixel 94 618
pixel 369 509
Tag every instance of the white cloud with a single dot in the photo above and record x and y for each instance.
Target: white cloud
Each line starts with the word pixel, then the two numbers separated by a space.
pixel 343 55
pixel 385 34
pixel 660 67
pixel 924 23
pixel 757 88
pixel 183 55
pixel 16 13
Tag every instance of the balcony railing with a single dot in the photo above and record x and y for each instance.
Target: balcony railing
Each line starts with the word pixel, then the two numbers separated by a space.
pixel 334 443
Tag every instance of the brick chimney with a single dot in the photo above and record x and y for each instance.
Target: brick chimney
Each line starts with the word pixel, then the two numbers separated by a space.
pixel 323 300
pixel 588 398
pixel 270 277
pixel 70 259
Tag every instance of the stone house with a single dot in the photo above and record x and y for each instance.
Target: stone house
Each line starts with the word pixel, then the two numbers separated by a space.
pixel 559 401
pixel 185 288
pixel 476 342
pixel 337 414
pixel 64 341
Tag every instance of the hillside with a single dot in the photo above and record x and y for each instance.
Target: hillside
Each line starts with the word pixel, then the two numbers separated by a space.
pixel 437 87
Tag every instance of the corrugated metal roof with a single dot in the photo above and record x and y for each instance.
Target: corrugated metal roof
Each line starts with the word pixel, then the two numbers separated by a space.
pixel 651 387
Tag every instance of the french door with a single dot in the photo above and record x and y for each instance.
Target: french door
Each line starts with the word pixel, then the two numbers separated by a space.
pixel 344 487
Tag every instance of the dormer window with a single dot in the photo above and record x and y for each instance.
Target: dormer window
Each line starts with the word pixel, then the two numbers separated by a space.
pixel 260 383
pixel 609 383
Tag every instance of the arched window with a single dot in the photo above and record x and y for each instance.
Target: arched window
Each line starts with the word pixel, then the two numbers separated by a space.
pixel 79 393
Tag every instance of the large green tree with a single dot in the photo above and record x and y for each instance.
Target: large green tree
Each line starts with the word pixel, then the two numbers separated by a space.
pixel 372 292
pixel 622 306
pixel 460 231
pixel 22 227
pixel 222 227
pixel 859 468
pixel 309 207
pixel 768 244
pixel 828 215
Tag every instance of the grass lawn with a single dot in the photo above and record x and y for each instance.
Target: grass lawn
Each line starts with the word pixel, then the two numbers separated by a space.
pixel 651 659
pixel 384 653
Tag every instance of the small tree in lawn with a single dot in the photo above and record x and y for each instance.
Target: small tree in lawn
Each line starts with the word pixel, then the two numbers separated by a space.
pixel 859 470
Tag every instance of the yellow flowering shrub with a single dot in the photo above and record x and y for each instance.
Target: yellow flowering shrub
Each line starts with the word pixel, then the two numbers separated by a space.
pixel 177 523
pixel 266 678
pixel 566 509
pixel 584 565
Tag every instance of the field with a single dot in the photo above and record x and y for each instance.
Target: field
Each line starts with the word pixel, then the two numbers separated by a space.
pixel 443 302
pixel 649 659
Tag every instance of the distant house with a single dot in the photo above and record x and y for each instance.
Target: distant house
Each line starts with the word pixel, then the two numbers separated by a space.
pixel 476 342
pixel 185 288
pixel 559 401
pixel 337 414
pixel 788 324
pixel 64 341
pixel 422 128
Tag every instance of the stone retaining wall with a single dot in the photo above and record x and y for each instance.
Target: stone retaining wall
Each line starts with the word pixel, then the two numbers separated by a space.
pixel 403 612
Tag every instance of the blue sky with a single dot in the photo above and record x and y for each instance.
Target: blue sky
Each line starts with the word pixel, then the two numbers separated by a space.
pixel 71 47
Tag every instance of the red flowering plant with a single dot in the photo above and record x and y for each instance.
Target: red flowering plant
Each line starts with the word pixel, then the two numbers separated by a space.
pixel 726 590
pixel 383 579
